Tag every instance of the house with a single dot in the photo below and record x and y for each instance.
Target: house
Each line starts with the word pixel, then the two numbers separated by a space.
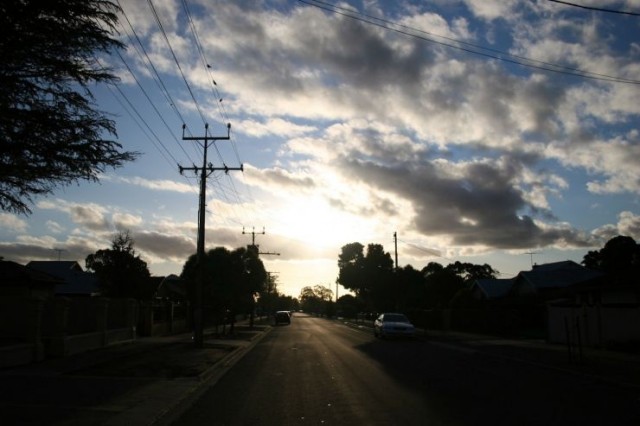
pixel 552 280
pixel 76 282
pixel 171 287
pixel 491 289
pixel 22 281
pixel 602 313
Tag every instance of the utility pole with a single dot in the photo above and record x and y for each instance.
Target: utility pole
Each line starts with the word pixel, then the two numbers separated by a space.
pixel 253 241
pixel 395 241
pixel 205 171
pixel 253 234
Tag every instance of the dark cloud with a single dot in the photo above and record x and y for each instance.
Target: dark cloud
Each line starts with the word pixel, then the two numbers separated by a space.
pixel 24 253
pixel 482 205
pixel 165 246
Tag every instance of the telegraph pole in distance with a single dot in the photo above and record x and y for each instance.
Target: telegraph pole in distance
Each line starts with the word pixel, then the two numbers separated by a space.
pixel 395 241
pixel 205 171
pixel 253 234
pixel 253 241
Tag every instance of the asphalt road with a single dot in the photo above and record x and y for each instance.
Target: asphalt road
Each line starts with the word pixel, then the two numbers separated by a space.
pixel 321 372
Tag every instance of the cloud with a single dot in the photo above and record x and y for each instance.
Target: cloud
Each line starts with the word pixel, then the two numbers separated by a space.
pixel 274 126
pixel 628 225
pixel 158 184
pixel 89 215
pixel 164 246
pixel 54 227
pixel 13 223
pixel 278 178
pixel 126 221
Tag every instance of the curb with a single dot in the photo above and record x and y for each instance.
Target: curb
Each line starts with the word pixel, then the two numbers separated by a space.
pixel 205 380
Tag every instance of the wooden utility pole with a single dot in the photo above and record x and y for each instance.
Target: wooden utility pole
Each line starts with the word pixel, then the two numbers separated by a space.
pixel 395 241
pixel 253 241
pixel 205 171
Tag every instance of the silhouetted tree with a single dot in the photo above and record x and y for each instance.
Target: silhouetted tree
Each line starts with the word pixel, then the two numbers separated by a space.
pixel 120 271
pixel 348 306
pixel 232 280
pixel 350 265
pixel 50 132
pixel 410 289
pixel 317 300
pixel 619 258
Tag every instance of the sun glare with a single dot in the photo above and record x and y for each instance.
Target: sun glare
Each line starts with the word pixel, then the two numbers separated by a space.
pixel 321 225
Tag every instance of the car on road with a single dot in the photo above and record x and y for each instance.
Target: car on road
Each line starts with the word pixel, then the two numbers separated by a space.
pixel 392 324
pixel 282 317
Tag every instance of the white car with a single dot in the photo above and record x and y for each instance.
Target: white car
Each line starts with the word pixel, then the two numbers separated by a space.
pixel 393 324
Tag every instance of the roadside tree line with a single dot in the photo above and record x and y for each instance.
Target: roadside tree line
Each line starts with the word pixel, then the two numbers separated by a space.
pixel 235 282
pixel 379 286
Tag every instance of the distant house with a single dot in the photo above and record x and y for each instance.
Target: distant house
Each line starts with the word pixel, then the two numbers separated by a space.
pixel 171 287
pixel 76 282
pixel 552 280
pixel 491 289
pixel 22 281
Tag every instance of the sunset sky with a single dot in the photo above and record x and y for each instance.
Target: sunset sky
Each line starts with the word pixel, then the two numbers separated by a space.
pixel 478 130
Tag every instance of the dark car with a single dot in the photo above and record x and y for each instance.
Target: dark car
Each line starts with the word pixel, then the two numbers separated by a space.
pixel 283 317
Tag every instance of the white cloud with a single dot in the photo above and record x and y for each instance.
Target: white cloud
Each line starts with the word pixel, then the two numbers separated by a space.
pixel 274 126
pixel 158 184
pixel 54 227
pixel 126 221
pixel 13 223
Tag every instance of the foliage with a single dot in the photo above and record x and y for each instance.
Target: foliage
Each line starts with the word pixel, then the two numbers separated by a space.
pixel 231 281
pixel 50 132
pixel 378 287
pixel 620 258
pixel 317 300
pixel 348 306
pixel 368 276
pixel 120 271
pixel 350 264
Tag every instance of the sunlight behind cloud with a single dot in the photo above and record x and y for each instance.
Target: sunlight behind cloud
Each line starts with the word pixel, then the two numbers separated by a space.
pixel 316 222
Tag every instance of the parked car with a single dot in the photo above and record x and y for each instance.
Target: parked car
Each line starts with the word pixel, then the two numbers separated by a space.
pixel 282 317
pixel 392 324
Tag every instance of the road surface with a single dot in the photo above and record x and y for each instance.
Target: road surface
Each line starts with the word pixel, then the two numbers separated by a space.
pixel 321 372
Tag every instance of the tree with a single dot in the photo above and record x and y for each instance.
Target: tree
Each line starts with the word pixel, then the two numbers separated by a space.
pixel 121 272
pixel 350 264
pixel 368 275
pixel 620 258
pixel 441 284
pixel 317 299
pixel 51 134
pixel 232 280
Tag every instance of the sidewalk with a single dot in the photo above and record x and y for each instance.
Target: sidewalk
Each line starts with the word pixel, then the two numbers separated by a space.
pixel 621 369
pixel 146 382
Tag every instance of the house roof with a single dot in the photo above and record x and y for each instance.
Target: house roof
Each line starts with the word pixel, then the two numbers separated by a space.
pixel 171 285
pixel 558 275
pixel 12 273
pixel 76 281
pixel 493 288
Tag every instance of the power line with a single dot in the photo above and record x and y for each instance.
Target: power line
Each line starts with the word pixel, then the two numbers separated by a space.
pixel 499 55
pixel 175 59
pixel 212 82
pixel 597 9
pixel 154 73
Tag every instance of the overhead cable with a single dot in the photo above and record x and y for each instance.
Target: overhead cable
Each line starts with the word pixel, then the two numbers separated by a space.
pixel 471 48
pixel 597 9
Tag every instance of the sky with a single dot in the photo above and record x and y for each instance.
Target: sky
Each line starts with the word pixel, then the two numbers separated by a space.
pixel 486 131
